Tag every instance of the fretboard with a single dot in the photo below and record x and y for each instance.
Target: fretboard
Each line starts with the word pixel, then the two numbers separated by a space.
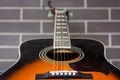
pixel 61 31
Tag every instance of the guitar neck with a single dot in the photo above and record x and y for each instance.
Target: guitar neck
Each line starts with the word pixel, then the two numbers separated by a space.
pixel 61 31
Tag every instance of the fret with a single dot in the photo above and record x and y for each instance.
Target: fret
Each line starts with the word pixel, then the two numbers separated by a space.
pixel 60 16
pixel 64 27
pixel 61 29
pixel 60 40
pixel 60 11
pixel 58 24
pixel 62 32
pixel 63 20
pixel 63 40
pixel 66 39
pixel 62 37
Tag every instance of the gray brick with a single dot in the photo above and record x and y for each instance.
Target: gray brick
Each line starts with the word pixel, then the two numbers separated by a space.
pixel 104 27
pixel 103 3
pixel 6 53
pixel 117 64
pixel 35 14
pixel 75 27
pixel 5 65
pixel 115 14
pixel 19 3
pixel 31 37
pixel 89 14
pixel 48 27
pixel 102 38
pixel 9 40
pixel 115 39
pixel 113 53
pixel 20 27
pixel 65 3
pixel 9 14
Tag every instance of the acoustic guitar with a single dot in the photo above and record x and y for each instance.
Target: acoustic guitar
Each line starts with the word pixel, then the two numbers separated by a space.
pixel 61 58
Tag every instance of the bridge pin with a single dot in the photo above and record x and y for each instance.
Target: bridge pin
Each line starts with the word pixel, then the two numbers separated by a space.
pixel 53 73
pixel 74 73
pixel 57 73
pixel 65 73
pixel 61 73
pixel 69 73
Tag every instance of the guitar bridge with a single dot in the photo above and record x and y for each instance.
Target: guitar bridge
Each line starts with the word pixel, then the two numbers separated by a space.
pixel 63 74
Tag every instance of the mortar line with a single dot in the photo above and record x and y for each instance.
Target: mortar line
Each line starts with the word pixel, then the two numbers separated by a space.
pixel 8 60
pixel 60 7
pixel 20 38
pixel 8 46
pixel 116 46
pixel 115 60
pixel 109 14
pixel 21 14
pixel 52 21
pixel 109 40
pixel 41 4
pixel 52 33
pixel 85 3
pixel 86 27
pixel 41 27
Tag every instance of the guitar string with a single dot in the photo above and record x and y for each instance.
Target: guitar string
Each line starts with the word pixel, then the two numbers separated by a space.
pixel 60 13
pixel 55 44
pixel 64 53
pixel 60 39
pixel 64 44
pixel 67 55
pixel 65 63
pixel 57 40
pixel 53 67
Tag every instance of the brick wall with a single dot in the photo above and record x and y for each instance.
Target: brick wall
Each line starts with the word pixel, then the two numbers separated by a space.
pixel 22 20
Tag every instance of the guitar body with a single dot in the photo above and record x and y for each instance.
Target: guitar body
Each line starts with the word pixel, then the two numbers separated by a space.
pixel 30 64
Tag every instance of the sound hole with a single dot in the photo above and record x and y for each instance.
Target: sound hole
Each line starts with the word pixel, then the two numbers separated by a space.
pixel 62 54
